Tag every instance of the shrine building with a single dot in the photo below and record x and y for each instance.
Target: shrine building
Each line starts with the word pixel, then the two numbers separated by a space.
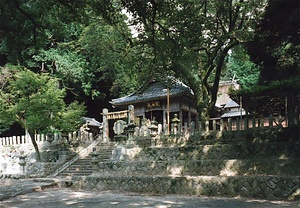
pixel 158 100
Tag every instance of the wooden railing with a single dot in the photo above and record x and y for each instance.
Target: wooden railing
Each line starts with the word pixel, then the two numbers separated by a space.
pixel 237 124
pixel 218 124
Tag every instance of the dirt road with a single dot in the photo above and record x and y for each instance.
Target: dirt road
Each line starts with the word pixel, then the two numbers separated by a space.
pixel 64 197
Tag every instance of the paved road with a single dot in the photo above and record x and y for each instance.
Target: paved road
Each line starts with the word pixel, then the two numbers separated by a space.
pixel 64 198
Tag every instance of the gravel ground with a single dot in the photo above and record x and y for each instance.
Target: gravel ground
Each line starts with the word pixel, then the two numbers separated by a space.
pixel 65 197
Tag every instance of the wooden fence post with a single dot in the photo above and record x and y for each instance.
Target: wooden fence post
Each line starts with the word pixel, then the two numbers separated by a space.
pixel 270 121
pixel 221 124
pixel 253 122
pixel 214 125
pixel 261 122
pixel 206 125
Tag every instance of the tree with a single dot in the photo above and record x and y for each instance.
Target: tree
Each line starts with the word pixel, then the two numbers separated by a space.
pixel 191 39
pixel 27 26
pixel 276 44
pixel 240 67
pixel 83 43
pixel 36 102
pixel 275 49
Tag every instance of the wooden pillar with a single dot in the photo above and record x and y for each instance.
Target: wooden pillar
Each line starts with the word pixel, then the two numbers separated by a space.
pixel 238 124
pixel 229 124
pixel 246 124
pixel 189 119
pixel 165 127
pixel 198 125
pixel 105 125
pixel 181 120
pixel 168 110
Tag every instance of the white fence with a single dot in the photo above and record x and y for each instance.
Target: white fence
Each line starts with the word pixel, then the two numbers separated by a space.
pixel 80 136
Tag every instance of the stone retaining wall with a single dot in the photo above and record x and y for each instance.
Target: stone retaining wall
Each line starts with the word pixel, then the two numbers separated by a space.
pixel 262 187
pixel 245 150
pixel 202 167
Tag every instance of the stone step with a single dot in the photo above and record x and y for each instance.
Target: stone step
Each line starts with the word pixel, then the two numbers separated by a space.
pixel 259 187
pixel 65 174
pixel 79 168
pixel 202 167
pixel 83 166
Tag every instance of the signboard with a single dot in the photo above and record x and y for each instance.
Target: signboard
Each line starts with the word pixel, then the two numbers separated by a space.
pixel 152 104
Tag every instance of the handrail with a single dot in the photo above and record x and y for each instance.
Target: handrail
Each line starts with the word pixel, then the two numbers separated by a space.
pixel 80 154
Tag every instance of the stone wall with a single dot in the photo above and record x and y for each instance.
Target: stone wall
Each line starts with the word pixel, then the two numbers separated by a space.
pixel 262 187
pixel 201 167
pixel 258 164
pixel 52 159
pixel 240 150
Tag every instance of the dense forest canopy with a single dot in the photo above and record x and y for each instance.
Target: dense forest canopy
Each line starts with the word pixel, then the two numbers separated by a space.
pixel 89 47
pixel 276 44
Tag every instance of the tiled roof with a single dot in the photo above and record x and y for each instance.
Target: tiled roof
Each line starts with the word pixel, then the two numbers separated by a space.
pixel 155 90
pixel 231 104
pixel 91 121
pixel 233 114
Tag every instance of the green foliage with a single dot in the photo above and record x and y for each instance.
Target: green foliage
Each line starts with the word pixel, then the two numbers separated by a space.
pixel 69 119
pixel 242 69
pixel 276 44
pixel 36 103
pixel 292 84
pixel 192 39
pixel 27 26
pixel 70 67
pixel 70 40
pixel 112 59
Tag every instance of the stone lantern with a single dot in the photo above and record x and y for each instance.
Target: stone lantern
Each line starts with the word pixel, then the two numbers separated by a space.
pixel 50 137
pixel 94 161
pixel 175 122
pixel 153 130
pixel 130 130
pixel 22 161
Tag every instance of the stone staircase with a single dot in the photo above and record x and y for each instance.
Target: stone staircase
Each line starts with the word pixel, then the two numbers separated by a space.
pixel 83 166
pixel 263 168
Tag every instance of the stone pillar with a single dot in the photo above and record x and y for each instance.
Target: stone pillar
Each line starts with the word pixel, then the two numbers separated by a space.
pixel 130 113
pixel 105 125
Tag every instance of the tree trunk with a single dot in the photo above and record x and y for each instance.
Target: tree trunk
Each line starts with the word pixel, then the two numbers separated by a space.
pixel 36 148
